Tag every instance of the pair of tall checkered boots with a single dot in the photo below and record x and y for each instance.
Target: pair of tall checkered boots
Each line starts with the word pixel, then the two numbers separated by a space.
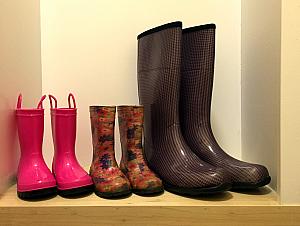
pixel 175 80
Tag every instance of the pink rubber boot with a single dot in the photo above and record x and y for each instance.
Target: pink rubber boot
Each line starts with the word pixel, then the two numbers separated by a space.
pixel 70 176
pixel 34 179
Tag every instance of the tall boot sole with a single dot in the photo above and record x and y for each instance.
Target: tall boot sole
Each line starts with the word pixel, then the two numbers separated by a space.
pixel 197 191
pixel 38 194
pixel 250 186
pixel 76 191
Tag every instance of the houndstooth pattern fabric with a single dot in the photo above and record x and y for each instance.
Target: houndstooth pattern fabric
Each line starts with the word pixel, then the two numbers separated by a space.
pixel 197 70
pixel 159 58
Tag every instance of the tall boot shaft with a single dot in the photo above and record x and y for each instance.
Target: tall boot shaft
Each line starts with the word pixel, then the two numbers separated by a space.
pixel 158 66
pixel 159 57
pixel 197 71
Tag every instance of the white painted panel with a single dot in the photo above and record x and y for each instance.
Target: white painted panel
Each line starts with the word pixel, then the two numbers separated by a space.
pixel 261 31
pixel 89 48
pixel 20 71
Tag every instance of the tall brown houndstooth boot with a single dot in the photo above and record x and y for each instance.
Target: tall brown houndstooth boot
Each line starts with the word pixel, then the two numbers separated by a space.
pixel 182 172
pixel 197 71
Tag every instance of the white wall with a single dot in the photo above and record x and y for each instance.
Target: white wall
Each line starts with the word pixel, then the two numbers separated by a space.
pixel 261 32
pixel 290 103
pixel 20 71
pixel 89 48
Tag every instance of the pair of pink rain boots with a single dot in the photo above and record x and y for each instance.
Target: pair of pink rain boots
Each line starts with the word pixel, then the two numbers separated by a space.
pixel 34 179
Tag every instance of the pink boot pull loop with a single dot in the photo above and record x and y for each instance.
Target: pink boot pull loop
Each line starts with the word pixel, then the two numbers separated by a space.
pixel 73 99
pixel 51 97
pixel 19 103
pixel 40 104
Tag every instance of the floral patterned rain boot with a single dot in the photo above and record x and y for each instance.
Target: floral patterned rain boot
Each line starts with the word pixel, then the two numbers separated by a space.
pixel 108 178
pixel 133 164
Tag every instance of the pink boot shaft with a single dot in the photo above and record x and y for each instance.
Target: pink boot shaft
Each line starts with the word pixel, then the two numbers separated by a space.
pixel 33 173
pixel 67 170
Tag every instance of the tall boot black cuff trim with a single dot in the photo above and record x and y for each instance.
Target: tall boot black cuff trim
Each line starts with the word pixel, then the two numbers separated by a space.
pixel 198 28
pixel 160 28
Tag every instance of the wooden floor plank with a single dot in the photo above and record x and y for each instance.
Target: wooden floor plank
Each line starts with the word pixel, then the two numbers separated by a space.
pixel 253 208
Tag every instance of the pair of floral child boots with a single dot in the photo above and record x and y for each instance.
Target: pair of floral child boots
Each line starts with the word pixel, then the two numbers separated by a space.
pixel 133 174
